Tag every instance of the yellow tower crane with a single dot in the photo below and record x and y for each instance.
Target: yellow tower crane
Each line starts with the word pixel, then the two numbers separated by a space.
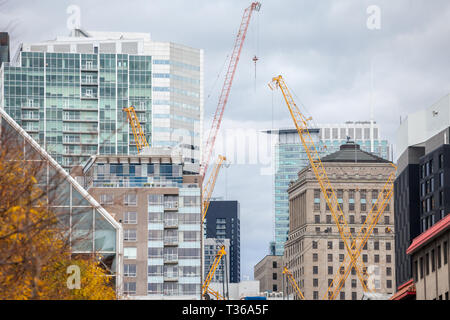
pixel 205 287
pixel 352 245
pixel 293 283
pixel 138 133
pixel 209 187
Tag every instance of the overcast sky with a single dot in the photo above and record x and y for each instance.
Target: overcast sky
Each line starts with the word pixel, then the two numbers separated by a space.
pixel 323 49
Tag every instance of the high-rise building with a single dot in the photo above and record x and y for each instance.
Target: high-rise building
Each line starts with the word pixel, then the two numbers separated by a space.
pixel 290 157
pixel 4 47
pixel 223 222
pixel 156 197
pixel 69 94
pixel 314 250
pixel 93 229
pixel 421 196
pixel 212 247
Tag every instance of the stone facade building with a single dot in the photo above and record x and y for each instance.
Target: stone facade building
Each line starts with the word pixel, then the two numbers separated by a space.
pixel 314 250
pixel 269 273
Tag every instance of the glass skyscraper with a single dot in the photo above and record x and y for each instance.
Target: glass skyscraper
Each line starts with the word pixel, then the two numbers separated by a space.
pixel 290 157
pixel 69 94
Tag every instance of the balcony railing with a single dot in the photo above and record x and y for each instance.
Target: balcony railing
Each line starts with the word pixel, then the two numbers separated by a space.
pixel 170 258
pixel 170 205
pixel 171 223
pixel 171 241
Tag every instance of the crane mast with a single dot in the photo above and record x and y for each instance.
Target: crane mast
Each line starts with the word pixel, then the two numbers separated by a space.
pixel 301 124
pixel 356 244
pixel 209 277
pixel 208 189
pixel 138 133
pixel 223 98
pixel 293 283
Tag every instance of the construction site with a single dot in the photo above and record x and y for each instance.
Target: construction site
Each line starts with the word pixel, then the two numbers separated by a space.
pixel 123 119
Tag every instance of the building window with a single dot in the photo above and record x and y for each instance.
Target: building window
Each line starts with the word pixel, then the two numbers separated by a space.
pixel 315 270
pixel 315 257
pixel 444 249
pixel 416 271
pixel 441 161
pixel 155 199
pixel 129 235
pixel 330 270
pixel 315 282
pixel 421 267
pixel 376 245
pixel 129 270
pixel 314 244
pixel 354 296
pixel 274 288
pixel 427 264
pixel 129 288
pixel 364 257
pixel 353 283
pixel 439 261
pixel 433 264
pixel 330 245
pixel 342 295
pixel 106 199
pixel 341 258
pixel 388 246
pixel 316 295
pixel 129 252
pixel 317 218
pixel 386 220
pixel 274 264
pixel 352 219
pixel 388 271
pixel 330 257
pixel 274 276
pixel 130 199
pixel 130 217
pixel 341 245
pixel 388 258
pixel 376 258
pixel 328 218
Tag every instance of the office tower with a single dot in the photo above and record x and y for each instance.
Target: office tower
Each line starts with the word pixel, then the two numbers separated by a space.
pixel 421 196
pixel 290 157
pixel 69 94
pixel 223 222
pixel 157 200
pixel 314 250
pixel 93 229
pixel 4 47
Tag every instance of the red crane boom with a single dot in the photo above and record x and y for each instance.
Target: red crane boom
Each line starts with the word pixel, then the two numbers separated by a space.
pixel 208 149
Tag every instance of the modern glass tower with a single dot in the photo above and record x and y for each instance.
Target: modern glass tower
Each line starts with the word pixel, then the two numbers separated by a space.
pixel 69 94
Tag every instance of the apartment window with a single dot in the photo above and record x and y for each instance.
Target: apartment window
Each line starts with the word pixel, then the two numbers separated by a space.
pixel 427 264
pixel 353 272
pixel 330 245
pixel 375 230
pixel 129 235
pixel 364 258
pixel 386 220
pixel 129 288
pixel 314 244
pixel 433 264
pixel 330 270
pixel 444 249
pixel 130 199
pixel 317 218
pixel 106 199
pixel 341 258
pixel 441 161
pixel 155 199
pixel 341 245
pixel 330 257
pixel 129 270
pixel 354 296
pixel 274 264
pixel 274 276
pixel 330 282
pixel 352 219
pixel 363 218
pixel 130 217
pixel 388 258
pixel 388 271
pixel 315 270
pixel 342 295
pixel 376 258
pixel 274 288
pixel 439 261
pixel 316 199
pixel 129 252
pixel 421 268
pixel 328 218
pixel 353 283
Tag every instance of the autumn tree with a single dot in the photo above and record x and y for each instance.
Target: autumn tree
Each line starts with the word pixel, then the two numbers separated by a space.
pixel 35 247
